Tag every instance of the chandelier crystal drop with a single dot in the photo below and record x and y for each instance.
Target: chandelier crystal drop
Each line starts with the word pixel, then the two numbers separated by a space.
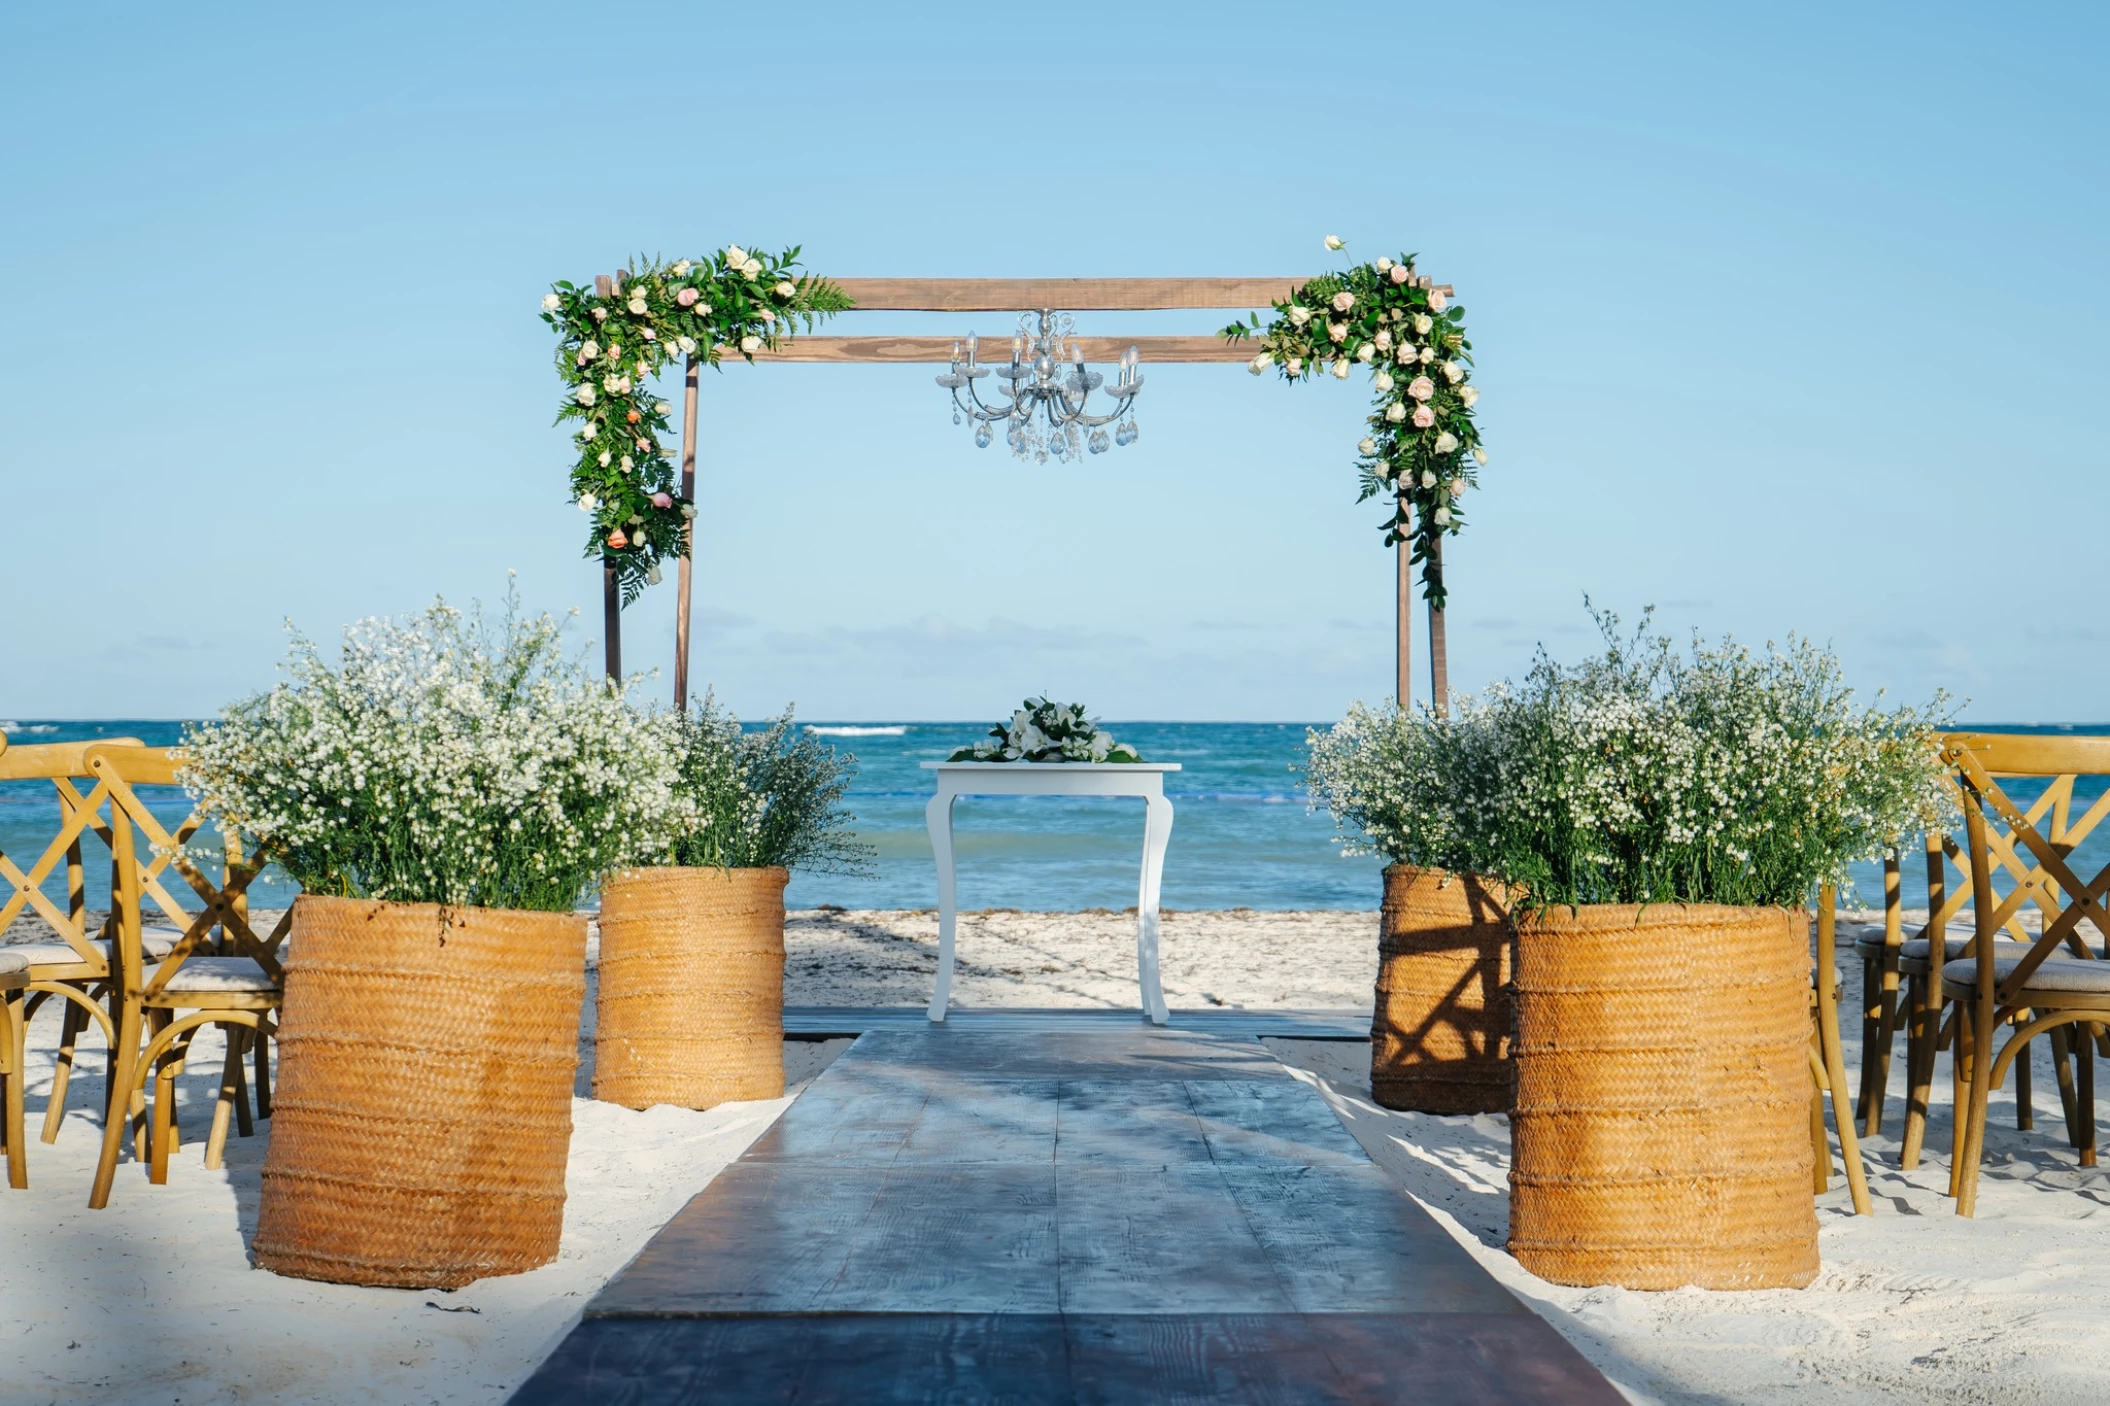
pixel 1046 392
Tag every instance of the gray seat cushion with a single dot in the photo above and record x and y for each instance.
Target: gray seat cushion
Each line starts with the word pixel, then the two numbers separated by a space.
pixel 154 942
pixel 13 964
pixel 201 974
pixel 2068 974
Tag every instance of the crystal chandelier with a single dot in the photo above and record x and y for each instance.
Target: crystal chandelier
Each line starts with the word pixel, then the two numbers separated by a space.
pixel 1041 353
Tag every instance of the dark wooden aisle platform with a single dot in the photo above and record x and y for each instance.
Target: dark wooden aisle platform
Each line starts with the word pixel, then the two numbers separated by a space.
pixel 1072 1215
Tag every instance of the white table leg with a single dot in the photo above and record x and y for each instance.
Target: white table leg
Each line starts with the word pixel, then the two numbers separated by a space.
pixel 1157 832
pixel 937 818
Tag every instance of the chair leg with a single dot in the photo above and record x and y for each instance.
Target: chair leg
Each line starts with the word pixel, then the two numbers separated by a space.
pixel 2084 1095
pixel 1820 1149
pixel 1834 1056
pixel 71 1019
pixel 263 1075
pixel 1919 1070
pixel 238 1038
pixel 124 1055
pixel 1875 1057
pixel 1871 1025
pixel 230 1091
pixel 2025 1105
pixel 163 1139
pixel 1971 1132
pixel 2061 1039
pixel 11 1031
pixel 1964 1036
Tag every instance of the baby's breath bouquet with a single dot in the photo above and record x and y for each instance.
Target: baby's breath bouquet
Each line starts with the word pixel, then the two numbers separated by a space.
pixel 1398 784
pixel 1718 775
pixel 440 759
pixel 757 800
pixel 1042 731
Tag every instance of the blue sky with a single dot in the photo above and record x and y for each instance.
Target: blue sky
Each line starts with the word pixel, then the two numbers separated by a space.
pixel 1787 319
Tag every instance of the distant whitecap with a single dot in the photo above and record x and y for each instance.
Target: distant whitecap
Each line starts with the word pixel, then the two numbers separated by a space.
pixel 818 730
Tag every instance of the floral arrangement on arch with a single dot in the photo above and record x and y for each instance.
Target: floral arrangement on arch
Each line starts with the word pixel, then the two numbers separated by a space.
pixel 1423 447
pixel 1045 731
pixel 610 346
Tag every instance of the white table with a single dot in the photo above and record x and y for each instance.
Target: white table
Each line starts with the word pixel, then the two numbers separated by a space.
pixel 1143 779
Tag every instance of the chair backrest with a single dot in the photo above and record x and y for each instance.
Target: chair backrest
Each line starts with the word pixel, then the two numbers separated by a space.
pixel 2030 848
pixel 64 765
pixel 121 769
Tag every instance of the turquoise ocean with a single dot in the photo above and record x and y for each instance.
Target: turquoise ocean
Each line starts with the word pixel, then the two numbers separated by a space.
pixel 1242 835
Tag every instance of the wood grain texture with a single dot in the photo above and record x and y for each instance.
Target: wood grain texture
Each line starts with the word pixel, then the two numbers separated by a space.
pixel 1076 1215
pixel 1067 294
pixel 848 1022
pixel 1097 350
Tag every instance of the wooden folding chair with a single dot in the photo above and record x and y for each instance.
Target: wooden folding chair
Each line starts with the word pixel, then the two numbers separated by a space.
pixel 235 983
pixel 14 979
pixel 75 970
pixel 2053 984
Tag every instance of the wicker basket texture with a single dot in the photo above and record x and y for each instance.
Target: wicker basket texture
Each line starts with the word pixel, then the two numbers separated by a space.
pixel 1663 1093
pixel 690 1010
pixel 422 1119
pixel 1440 1032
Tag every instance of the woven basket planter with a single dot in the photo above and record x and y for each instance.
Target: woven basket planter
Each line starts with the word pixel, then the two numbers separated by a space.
pixel 1439 1036
pixel 1663 1095
pixel 691 1003
pixel 422 1117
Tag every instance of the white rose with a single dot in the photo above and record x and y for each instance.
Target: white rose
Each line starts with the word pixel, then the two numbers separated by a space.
pixel 681 268
pixel 1453 372
pixel 767 315
pixel 1469 395
pixel 752 268
pixel 636 306
pixel 1341 369
pixel 1406 356
pixel 600 314
pixel 1259 363
pixel 1480 456
pixel 1458 487
pixel 642 370
pixel 1296 366
pixel 1437 302
pixel 750 344
pixel 1384 265
pixel 735 256
pixel 1421 388
pixel 660 407
pixel 1446 442
pixel 605 456
pixel 1384 340
pixel 588 503
pixel 589 351
pixel 687 345
pixel 1366 445
pixel 1333 241
pixel 1384 381
pixel 1428 480
pixel 1365 352
pixel 1343 300
pixel 1427 355
pixel 652 576
pixel 787 289
pixel 1423 323
pixel 626 463
pixel 1395 412
pixel 584 395
pixel 551 302
pixel 1443 517
pixel 1337 330
pixel 1299 315
pixel 688 510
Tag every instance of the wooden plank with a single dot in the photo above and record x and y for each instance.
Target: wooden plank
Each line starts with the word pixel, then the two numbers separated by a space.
pixel 848 1022
pixel 996 348
pixel 1066 294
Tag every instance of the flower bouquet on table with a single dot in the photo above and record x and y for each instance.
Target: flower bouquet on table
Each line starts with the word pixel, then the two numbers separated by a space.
pixel 1043 731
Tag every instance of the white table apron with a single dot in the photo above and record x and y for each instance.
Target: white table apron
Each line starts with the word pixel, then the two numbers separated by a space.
pixel 1142 779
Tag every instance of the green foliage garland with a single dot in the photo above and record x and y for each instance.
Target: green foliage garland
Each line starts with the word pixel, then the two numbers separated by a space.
pixel 1423 447
pixel 608 350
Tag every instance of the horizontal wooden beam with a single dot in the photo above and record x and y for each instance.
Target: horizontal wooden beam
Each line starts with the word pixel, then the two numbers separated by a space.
pixel 1154 350
pixel 1066 294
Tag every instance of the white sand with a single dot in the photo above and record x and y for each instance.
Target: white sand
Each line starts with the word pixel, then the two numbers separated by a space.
pixel 154 1301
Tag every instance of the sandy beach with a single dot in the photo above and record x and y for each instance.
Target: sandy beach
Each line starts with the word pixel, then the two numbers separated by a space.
pixel 154 1301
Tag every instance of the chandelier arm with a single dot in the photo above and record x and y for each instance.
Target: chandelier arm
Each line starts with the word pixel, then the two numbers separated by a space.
pixel 983 411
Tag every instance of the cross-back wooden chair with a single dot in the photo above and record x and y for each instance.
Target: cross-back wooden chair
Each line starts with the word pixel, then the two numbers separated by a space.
pixel 234 982
pixel 14 980
pixel 75 970
pixel 2054 983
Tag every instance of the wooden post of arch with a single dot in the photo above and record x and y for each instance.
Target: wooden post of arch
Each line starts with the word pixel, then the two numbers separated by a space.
pixel 611 581
pixel 1014 295
pixel 1403 619
pixel 688 537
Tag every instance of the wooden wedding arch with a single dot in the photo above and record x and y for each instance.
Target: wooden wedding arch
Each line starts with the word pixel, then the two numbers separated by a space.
pixel 1021 295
